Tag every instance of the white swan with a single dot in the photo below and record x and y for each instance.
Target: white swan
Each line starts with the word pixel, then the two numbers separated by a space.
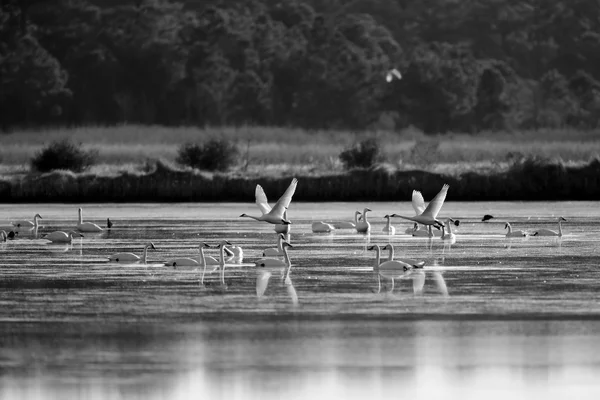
pixel 320 227
pixel 429 215
pixel 512 233
pixel 28 224
pixel 86 226
pixel 549 232
pixel 200 261
pixel 364 226
pixel 234 252
pixel 346 224
pixel 61 237
pixel 268 262
pixel 126 257
pixel 447 233
pixel 388 269
pixel 221 247
pixel 283 228
pixel 410 261
pixel 265 268
pixel 275 251
pixel 273 215
pixel 388 228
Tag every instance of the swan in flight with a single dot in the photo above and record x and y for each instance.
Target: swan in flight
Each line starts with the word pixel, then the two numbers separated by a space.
pixel 364 226
pixel 320 227
pixel 273 215
pixel 191 262
pixel 346 224
pixel 388 228
pixel 512 233
pixel 61 237
pixel 126 257
pixel 388 269
pixel 86 226
pixel 28 224
pixel 429 215
pixel 275 251
pixel 549 232
pixel 283 228
pixel 411 261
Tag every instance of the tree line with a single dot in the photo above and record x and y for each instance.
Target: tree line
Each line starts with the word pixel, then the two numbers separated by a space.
pixel 467 65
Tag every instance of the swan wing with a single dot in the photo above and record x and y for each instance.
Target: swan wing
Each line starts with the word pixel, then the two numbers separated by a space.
pixel 434 207
pixel 418 202
pixel 261 200
pixel 262 281
pixel 284 201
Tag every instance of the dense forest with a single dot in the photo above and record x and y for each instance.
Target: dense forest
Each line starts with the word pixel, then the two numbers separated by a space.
pixel 467 65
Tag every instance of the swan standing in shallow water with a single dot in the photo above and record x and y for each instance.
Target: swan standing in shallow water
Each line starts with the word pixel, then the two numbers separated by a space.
pixel 86 226
pixel 346 224
pixel 125 257
pixel 388 269
pixel 388 228
pixel 321 227
pixel 364 226
pixel 549 232
pixel 28 224
pixel 429 214
pixel 411 261
pixel 273 215
pixel 200 261
pixel 61 237
pixel 512 233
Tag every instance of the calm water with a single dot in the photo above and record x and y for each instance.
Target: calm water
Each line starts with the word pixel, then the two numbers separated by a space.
pixel 487 316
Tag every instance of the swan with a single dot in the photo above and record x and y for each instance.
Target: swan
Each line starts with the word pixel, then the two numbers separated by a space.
pixel 28 224
pixel 512 233
pixel 411 261
pixel 86 226
pixel 275 251
pixel 320 227
pixel 123 257
pixel 276 262
pixel 221 247
pixel 429 215
pixel 283 228
pixel 235 252
pixel 273 215
pixel 61 237
pixel 346 224
pixel 265 269
pixel 447 230
pixel 388 228
pixel 364 226
pixel 191 262
pixel 388 269
pixel 548 232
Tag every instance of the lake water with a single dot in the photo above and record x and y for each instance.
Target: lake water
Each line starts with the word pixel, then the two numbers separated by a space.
pixel 487 316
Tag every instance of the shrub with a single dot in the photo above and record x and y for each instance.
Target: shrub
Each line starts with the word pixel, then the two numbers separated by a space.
pixel 212 155
pixel 63 154
pixel 363 154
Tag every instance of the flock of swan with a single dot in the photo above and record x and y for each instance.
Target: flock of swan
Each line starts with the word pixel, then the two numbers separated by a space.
pixel 425 223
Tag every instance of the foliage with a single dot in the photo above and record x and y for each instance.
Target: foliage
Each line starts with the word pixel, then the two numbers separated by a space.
pixel 363 154
pixel 64 155
pixel 212 155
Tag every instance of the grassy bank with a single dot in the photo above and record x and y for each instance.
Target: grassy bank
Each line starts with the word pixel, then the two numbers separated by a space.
pixel 529 179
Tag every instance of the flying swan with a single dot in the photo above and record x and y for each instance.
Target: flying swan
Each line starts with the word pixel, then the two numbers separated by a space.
pixel 273 215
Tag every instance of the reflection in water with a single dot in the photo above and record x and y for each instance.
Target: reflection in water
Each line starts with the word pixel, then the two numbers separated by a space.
pixel 418 279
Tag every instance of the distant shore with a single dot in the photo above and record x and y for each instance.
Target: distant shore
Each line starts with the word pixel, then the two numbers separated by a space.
pixel 527 180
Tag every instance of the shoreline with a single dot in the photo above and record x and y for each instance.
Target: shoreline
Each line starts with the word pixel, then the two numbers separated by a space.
pixel 527 180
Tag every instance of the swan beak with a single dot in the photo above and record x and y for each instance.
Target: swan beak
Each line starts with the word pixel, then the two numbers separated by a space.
pixel 243 215
pixel 386 216
pixel 368 209
pixel 371 248
pixel 206 244
pixel 562 219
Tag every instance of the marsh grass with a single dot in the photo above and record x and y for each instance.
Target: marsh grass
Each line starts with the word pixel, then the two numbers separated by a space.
pixel 262 146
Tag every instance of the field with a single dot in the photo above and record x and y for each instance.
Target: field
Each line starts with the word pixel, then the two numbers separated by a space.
pixel 299 150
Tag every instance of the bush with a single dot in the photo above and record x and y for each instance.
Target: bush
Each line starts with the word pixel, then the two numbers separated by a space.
pixel 212 155
pixel 363 154
pixel 63 154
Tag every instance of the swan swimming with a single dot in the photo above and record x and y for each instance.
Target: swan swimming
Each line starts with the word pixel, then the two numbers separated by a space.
pixel 28 224
pixel 61 237
pixel 191 262
pixel 275 251
pixel 321 227
pixel 273 215
pixel 410 261
pixel 429 215
pixel 388 228
pixel 511 233
pixel 346 224
pixel 364 226
pixel 125 257
pixel 388 269
pixel 447 233
pixel 276 262
pixel 86 226
pixel 549 232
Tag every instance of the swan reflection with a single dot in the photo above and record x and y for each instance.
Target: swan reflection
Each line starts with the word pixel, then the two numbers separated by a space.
pixel 418 278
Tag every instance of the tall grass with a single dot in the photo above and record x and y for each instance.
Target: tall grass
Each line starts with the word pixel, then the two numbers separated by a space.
pixel 133 144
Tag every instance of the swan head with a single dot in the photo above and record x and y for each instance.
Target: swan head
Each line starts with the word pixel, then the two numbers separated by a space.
pixel 151 245
pixel 244 215
pixel 486 217
pixel 373 247
pixel 205 246
pixel 366 210
pixel 286 244
pixel 224 243
pixel 37 216
pixel 562 219
pixel 506 226
pixel 387 216
pixel 387 246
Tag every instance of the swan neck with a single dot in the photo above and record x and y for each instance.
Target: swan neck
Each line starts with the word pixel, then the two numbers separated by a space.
pixel 559 227
pixel 222 255
pixel 391 254
pixel 280 244
pixel 356 217
pixel 253 217
pixel 509 228
pixel 449 228
pixel 365 218
pixel 80 216
pixel 144 255
pixel 202 257
pixel 389 223
pixel 377 261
